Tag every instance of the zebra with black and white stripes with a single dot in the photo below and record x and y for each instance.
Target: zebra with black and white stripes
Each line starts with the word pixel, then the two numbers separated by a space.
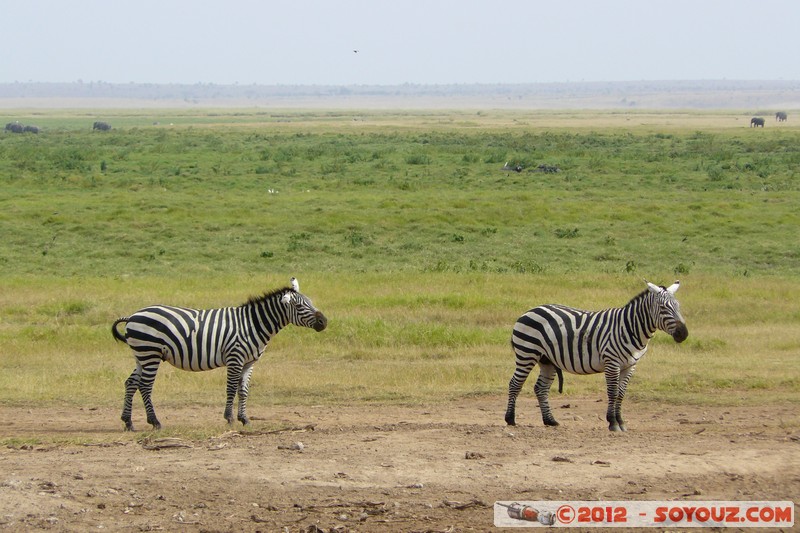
pixel 204 339
pixel 587 342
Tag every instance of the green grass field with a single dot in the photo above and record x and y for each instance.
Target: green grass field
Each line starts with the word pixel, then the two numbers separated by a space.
pixel 404 229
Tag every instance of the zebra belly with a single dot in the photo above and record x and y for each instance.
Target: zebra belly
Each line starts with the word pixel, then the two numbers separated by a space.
pixel 186 354
pixel 196 356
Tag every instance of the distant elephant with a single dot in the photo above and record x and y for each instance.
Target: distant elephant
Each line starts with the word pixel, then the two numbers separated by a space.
pixel 15 127
pixel 756 122
pixel 31 129
pixel 102 126
pixel 780 116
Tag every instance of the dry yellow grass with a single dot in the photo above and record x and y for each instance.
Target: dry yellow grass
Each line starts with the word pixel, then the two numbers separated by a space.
pixel 412 338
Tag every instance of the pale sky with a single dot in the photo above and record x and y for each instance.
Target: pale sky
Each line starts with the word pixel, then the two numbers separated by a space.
pixel 312 42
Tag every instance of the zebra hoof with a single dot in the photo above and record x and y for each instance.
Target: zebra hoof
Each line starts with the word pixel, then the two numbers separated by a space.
pixel 614 427
pixel 244 420
pixel 550 422
pixel 510 420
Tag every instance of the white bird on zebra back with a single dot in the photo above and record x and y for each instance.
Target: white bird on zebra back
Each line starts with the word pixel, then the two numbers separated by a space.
pixel 204 339
pixel 560 338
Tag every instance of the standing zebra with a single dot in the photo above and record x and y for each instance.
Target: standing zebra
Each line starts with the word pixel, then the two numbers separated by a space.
pixel 586 342
pixel 203 339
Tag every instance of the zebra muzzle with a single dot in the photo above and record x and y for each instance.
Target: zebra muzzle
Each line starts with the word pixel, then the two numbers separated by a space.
pixel 681 333
pixel 321 322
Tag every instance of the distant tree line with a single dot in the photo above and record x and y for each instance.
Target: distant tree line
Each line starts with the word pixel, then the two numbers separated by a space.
pixel 205 91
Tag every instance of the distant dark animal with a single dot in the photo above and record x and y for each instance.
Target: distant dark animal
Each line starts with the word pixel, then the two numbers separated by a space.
pixel 15 127
pixel 549 169
pixel 781 116
pixel 584 342
pixel 197 339
pixel 102 126
pixel 515 168
pixel 31 129
pixel 756 122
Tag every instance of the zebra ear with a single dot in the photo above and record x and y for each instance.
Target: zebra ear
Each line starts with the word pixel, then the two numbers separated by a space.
pixel 286 298
pixel 655 289
pixel 295 285
pixel 674 287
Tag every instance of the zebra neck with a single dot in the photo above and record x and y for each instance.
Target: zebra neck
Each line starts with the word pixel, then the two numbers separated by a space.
pixel 267 317
pixel 638 320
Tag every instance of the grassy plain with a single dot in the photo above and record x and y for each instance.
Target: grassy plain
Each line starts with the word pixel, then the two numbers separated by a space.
pixel 404 230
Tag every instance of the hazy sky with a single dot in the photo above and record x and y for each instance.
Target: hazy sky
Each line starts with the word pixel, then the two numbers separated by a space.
pixel 398 41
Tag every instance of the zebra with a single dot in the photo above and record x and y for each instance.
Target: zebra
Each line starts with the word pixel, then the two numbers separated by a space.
pixel 204 339
pixel 585 342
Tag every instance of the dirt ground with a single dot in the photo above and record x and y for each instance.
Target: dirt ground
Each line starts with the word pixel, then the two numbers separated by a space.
pixel 378 468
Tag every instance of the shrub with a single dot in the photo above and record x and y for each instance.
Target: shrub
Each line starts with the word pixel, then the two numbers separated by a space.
pixel 418 159
pixel 566 233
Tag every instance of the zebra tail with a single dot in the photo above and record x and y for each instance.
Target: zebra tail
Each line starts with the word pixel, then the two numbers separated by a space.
pixel 545 361
pixel 115 332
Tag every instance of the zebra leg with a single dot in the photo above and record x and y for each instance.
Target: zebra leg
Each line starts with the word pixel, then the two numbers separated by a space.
pixel 149 371
pixel 234 376
pixel 624 378
pixel 131 386
pixel 612 387
pixel 547 374
pixel 244 388
pixel 525 364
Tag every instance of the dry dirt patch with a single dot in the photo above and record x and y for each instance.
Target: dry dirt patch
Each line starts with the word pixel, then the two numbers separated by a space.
pixel 380 468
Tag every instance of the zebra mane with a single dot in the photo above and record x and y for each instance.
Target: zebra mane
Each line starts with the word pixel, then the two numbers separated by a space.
pixel 256 300
pixel 640 296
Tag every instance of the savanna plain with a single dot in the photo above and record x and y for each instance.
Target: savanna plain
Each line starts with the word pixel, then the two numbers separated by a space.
pixel 407 231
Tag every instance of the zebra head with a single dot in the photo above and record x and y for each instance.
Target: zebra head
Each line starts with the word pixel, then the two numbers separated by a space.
pixel 666 311
pixel 301 311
